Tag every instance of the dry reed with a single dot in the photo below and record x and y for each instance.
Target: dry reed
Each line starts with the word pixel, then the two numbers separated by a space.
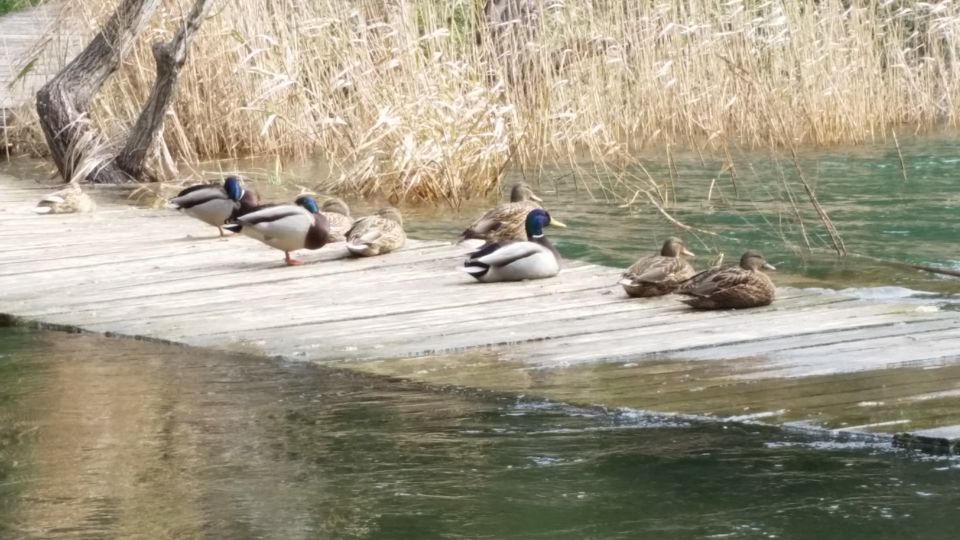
pixel 412 100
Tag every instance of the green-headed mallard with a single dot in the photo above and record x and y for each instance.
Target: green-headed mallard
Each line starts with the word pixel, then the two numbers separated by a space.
pixel 507 221
pixel 534 258
pixel 68 200
pixel 214 203
pixel 287 227
pixel 735 287
pixel 338 217
pixel 377 234
pixel 659 274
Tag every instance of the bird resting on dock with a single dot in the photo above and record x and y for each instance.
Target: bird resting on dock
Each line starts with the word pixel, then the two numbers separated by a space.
pixel 534 258
pixel 507 221
pixel 377 234
pixel 338 217
pixel 731 287
pixel 69 200
pixel 659 274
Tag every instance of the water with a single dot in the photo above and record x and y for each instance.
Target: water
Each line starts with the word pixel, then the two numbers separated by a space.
pixel 110 438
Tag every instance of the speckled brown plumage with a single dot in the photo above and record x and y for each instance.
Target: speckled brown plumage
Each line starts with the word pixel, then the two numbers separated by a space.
pixel 338 218
pixel 507 221
pixel 659 274
pixel 377 234
pixel 731 287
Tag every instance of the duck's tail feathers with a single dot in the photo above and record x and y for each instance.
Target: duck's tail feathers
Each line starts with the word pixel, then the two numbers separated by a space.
pixel 476 269
pixel 356 249
pixel 53 199
pixel 233 227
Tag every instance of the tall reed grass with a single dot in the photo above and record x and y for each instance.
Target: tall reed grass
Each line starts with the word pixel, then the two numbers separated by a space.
pixel 413 100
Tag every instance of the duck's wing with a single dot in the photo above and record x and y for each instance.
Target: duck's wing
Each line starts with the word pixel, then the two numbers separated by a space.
pixel 199 194
pixel 661 269
pixel 271 213
pixel 496 219
pixel 504 253
pixel 641 267
pixel 710 282
pixel 481 228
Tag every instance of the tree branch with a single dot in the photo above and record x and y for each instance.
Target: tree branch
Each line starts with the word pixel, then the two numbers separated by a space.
pixel 169 58
pixel 63 103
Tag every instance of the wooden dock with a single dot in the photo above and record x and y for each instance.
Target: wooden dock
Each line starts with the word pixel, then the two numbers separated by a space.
pixel 30 54
pixel 809 361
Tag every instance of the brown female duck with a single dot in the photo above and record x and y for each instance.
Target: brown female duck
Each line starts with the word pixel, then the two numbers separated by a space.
pixel 659 274
pixel 731 287
pixel 508 221
pixel 377 234
pixel 68 200
pixel 338 217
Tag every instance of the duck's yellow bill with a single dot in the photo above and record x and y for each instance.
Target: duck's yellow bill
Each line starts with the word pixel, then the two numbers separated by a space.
pixel 557 223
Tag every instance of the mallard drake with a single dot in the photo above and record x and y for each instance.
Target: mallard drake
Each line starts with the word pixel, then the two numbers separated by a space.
pixel 338 216
pixel 377 234
pixel 69 200
pixel 534 258
pixel 215 203
pixel 507 221
pixel 735 287
pixel 287 227
pixel 659 274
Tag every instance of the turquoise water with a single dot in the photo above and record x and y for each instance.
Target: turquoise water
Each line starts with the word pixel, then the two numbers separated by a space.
pixel 120 439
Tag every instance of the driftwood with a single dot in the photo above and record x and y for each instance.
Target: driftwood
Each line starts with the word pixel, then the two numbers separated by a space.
pixel 932 269
pixel 63 104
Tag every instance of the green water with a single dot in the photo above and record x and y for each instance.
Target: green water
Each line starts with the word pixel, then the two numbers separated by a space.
pixel 120 439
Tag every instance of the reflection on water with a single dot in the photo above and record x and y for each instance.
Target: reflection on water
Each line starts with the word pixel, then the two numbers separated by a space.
pixel 107 438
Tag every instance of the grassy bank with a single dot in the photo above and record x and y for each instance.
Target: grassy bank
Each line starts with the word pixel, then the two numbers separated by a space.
pixel 414 101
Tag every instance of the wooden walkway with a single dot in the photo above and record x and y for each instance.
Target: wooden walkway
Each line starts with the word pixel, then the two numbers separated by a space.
pixel 810 360
pixel 29 57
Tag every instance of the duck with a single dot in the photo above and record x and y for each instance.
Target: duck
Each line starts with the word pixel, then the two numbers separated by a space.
pixel 69 200
pixel 731 287
pixel 534 258
pixel 659 274
pixel 338 216
pixel 507 221
pixel 377 234
pixel 287 227
pixel 214 204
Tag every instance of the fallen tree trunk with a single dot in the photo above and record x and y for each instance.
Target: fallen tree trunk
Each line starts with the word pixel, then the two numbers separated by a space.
pixel 63 104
